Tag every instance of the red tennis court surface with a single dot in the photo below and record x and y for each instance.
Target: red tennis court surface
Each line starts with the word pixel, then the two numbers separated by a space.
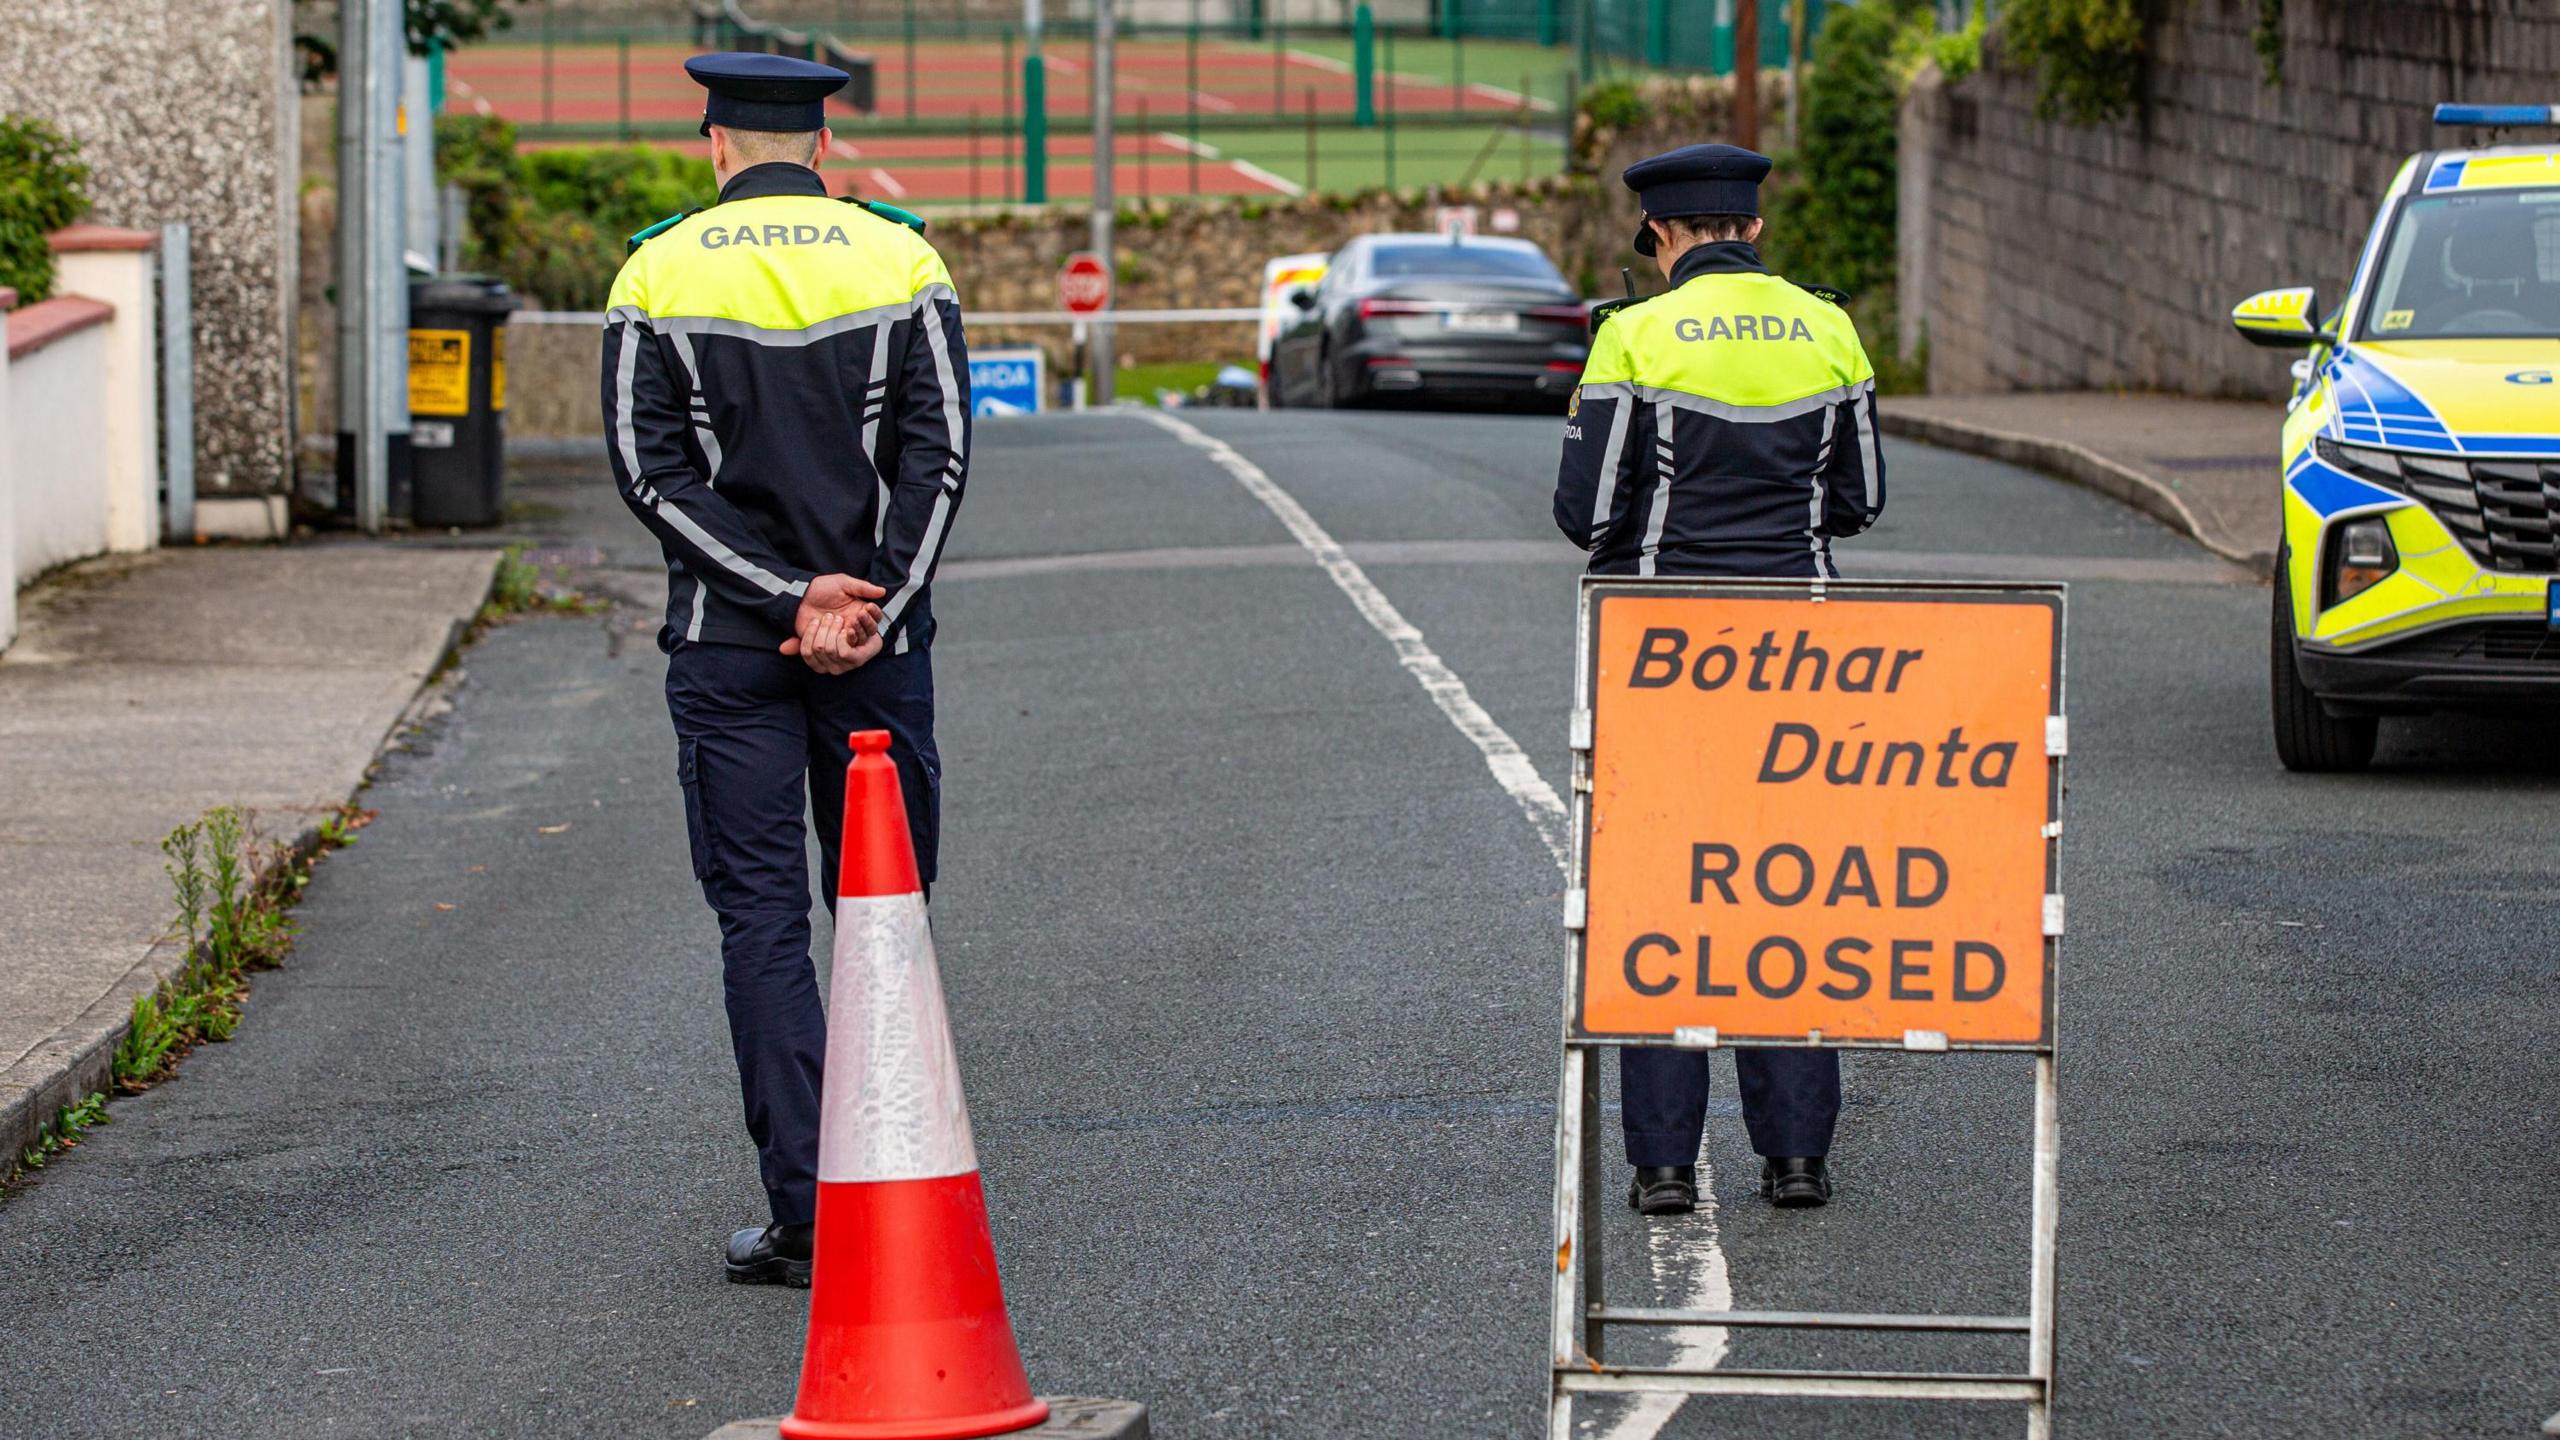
pixel 937 169
pixel 594 85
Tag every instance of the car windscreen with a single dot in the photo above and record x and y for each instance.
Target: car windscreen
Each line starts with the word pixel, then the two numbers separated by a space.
pixel 2483 265
pixel 1461 262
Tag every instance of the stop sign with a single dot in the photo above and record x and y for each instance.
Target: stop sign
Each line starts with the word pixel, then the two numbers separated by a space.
pixel 1084 284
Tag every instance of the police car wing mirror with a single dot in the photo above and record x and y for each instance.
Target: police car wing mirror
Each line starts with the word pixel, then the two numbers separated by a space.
pixel 1303 298
pixel 2282 319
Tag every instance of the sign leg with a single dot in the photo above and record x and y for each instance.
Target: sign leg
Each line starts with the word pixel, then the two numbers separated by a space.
pixel 2040 1301
pixel 1594 1338
pixel 1565 1319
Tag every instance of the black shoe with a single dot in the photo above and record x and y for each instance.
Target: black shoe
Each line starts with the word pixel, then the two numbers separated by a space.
pixel 774 1255
pixel 1793 1183
pixel 1664 1189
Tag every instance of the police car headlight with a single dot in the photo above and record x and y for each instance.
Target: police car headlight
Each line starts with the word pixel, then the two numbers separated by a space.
pixel 2361 556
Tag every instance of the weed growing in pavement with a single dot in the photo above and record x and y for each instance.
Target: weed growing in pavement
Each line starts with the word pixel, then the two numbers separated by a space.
pixel 233 891
pixel 60 1133
pixel 522 588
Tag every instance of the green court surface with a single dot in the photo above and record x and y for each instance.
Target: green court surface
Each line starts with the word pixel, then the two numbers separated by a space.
pixel 1348 159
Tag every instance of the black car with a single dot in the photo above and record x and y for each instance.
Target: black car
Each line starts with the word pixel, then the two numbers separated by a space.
pixel 1426 315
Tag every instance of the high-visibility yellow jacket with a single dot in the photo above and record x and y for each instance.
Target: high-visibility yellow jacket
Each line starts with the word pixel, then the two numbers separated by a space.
pixel 1724 427
pixel 786 395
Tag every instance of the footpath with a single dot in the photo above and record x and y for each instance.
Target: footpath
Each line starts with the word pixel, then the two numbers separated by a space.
pixel 142 692
pixel 2206 468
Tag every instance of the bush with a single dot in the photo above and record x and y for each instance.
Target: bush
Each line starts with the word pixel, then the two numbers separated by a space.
pixel 553 223
pixel 43 187
pixel 1833 214
pixel 2087 55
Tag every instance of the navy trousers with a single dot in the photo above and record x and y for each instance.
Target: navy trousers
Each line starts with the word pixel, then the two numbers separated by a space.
pixel 759 735
pixel 1790 1101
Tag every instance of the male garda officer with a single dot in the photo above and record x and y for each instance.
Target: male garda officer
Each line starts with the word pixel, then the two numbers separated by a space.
pixel 786 403
pixel 1725 427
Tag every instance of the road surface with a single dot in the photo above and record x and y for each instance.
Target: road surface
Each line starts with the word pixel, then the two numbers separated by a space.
pixel 1253 966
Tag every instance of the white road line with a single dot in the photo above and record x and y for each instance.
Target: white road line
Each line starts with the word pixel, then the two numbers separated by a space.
pixel 1502 755
pixel 1256 173
pixel 889 183
pixel 1685 1255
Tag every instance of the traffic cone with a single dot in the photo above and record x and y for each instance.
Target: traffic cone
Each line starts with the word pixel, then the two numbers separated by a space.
pixel 908 1338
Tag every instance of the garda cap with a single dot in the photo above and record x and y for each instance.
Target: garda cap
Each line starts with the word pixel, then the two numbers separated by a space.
pixel 764 92
pixel 1696 180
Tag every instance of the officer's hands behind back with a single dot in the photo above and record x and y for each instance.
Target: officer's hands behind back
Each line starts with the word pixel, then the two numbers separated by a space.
pixel 838 629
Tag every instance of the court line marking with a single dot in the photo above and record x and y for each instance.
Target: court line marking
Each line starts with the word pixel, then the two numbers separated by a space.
pixel 1673 1253
pixel 1256 173
pixel 889 183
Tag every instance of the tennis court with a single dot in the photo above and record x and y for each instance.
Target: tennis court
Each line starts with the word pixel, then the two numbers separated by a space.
pixel 1198 114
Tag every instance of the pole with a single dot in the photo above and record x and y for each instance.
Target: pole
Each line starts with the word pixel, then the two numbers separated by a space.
pixel 354 257
pixel 1311 139
pixel 1746 74
pixel 546 59
pixel 419 210
pixel 387 277
pixel 973 157
pixel 1364 66
pixel 911 61
pixel 1105 204
pixel 1581 47
pixel 622 74
pixel 1191 62
pixel 1390 136
pixel 178 375
pixel 1795 71
pixel 1035 110
pixel 1005 132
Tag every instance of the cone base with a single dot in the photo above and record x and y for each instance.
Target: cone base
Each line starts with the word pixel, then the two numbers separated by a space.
pixel 963 1427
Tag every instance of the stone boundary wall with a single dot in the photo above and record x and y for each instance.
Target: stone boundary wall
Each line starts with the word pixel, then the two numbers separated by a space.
pixel 1173 255
pixel 2054 257
pixel 185 110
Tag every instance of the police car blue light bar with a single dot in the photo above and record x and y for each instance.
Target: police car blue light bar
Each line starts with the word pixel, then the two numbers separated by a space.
pixel 2498 114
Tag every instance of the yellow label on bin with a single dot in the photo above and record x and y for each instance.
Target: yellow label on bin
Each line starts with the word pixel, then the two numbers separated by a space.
pixel 439 372
pixel 498 368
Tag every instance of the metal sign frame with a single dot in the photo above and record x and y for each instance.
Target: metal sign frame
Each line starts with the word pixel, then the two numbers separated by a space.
pixel 1580 1315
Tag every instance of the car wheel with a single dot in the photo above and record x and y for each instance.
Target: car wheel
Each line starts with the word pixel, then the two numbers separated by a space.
pixel 1328 397
pixel 2308 737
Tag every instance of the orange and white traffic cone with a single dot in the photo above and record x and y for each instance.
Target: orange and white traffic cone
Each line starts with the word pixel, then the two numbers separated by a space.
pixel 908 1337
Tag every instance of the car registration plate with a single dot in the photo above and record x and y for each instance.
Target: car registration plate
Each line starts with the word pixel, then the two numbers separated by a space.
pixel 1481 322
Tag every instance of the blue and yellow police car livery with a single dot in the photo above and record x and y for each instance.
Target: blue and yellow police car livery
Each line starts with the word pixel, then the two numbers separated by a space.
pixel 2422 454
pixel 752 352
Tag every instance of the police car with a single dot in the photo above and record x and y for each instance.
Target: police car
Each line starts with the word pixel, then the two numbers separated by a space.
pixel 2422 453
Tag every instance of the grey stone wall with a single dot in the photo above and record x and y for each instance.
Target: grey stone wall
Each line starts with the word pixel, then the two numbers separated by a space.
pixel 184 111
pixel 2064 258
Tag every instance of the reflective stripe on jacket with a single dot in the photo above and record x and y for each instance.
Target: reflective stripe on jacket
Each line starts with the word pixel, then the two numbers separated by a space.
pixel 1727 426
pixel 786 395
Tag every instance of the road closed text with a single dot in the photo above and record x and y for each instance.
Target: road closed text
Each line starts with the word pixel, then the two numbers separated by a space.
pixel 1824 820
pixel 1918 966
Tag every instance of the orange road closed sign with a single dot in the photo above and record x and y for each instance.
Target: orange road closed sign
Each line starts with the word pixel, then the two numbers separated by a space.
pixel 1820 814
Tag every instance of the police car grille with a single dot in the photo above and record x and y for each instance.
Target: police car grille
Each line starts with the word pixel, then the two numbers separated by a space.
pixel 2503 642
pixel 2501 510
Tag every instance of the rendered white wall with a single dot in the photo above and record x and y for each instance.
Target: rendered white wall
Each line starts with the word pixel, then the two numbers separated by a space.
pixel 130 381
pixel 57 452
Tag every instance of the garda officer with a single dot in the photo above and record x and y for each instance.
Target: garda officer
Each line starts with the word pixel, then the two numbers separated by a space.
pixel 786 404
pixel 1724 427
